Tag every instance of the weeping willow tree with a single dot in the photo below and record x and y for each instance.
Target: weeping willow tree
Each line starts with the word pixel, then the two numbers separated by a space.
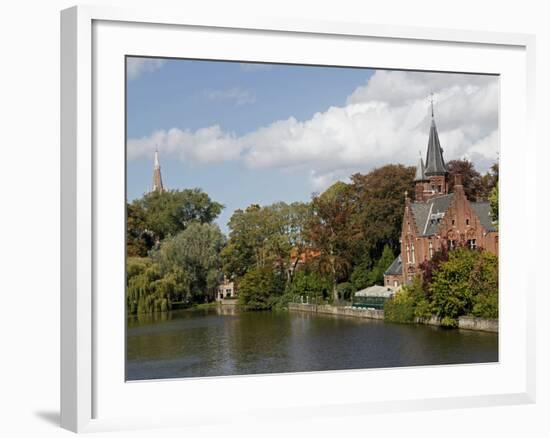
pixel 145 289
pixel 185 269
pixel 148 290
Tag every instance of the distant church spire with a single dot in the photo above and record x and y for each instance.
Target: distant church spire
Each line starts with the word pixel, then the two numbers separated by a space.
pixel 435 165
pixel 157 177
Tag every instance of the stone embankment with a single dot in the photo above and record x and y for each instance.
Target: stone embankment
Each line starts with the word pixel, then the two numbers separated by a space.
pixel 337 310
pixel 464 322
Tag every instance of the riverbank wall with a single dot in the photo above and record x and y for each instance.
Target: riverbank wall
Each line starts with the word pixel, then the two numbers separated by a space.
pixel 464 322
pixel 327 309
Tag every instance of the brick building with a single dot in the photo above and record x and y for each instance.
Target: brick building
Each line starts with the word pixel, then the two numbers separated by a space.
pixel 437 218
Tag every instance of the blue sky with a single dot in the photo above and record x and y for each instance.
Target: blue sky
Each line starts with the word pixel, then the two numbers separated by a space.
pixel 256 133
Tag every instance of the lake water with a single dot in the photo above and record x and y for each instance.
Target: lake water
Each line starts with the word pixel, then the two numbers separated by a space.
pixel 220 342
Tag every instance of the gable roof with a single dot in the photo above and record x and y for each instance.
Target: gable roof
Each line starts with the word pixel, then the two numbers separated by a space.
pixel 376 291
pixel 395 268
pixel 424 212
pixel 483 212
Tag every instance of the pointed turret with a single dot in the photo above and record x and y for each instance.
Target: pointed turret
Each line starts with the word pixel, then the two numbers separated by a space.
pixel 420 174
pixel 431 178
pixel 157 177
pixel 435 165
pixel 420 180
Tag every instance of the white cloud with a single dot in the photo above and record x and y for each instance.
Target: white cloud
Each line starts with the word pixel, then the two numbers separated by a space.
pixel 205 145
pixel 254 67
pixel 137 66
pixel 236 95
pixel 384 121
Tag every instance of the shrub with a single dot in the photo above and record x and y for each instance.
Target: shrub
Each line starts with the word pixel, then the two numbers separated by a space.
pixel 400 308
pixel 461 282
pixel 423 309
pixel 486 305
pixel 449 322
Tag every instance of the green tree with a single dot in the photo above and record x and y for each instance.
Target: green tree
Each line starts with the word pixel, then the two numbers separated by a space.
pixel 139 240
pixel 407 304
pixel 310 283
pixel 359 278
pixel 333 233
pixel 461 282
pixel 493 200
pixel 471 179
pixel 400 308
pixel 379 201
pixel 191 259
pixel 376 275
pixel 265 236
pixel 142 295
pixel 489 180
pixel 259 288
pixel 156 216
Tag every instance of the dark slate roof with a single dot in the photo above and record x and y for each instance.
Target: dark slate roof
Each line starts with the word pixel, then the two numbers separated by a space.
pixel 395 268
pixel 424 212
pixel 435 165
pixel 420 175
pixel 483 212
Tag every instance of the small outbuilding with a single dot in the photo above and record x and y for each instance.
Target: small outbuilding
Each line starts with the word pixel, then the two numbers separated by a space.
pixel 226 290
pixel 373 297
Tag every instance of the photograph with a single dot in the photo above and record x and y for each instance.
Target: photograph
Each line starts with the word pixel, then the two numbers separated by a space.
pixel 286 218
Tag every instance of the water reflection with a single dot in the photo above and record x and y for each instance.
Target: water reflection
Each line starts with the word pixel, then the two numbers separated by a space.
pixel 224 341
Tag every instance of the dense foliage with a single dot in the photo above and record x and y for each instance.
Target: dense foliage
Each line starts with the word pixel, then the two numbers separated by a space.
pixel 156 216
pixel 456 283
pixel 476 187
pixel 259 289
pixel 173 250
pixel 193 256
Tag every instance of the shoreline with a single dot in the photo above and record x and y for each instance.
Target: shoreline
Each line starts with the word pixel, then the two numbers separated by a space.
pixel 464 322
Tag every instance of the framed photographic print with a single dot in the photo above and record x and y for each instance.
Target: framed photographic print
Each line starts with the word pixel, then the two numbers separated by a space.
pixel 252 209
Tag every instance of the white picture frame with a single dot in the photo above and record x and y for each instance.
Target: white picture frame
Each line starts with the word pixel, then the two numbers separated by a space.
pixel 92 394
